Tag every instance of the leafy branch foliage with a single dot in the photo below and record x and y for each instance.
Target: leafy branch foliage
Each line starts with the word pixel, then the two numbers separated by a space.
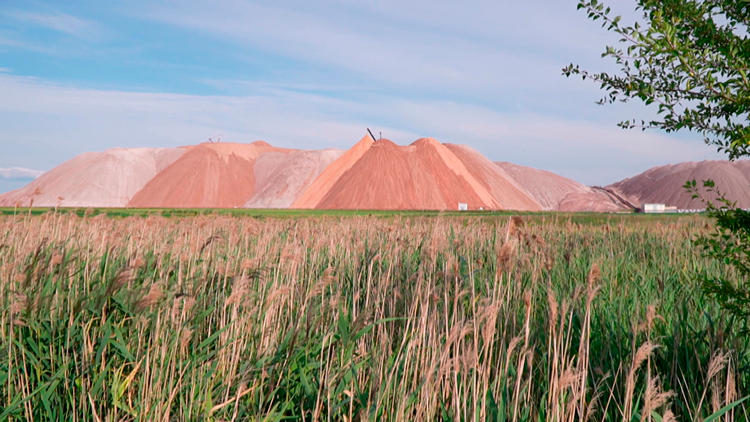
pixel 691 58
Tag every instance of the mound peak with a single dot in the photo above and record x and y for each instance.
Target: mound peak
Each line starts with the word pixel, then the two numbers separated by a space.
pixel 244 151
pixel 426 142
pixel 263 144
pixel 209 175
pixel 384 141
pixel 312 196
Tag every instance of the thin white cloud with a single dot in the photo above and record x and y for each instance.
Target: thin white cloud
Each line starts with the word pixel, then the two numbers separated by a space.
pixel 6 70
pixel 444 52
pixel 7 42
pixel 18 173
pixel 60 22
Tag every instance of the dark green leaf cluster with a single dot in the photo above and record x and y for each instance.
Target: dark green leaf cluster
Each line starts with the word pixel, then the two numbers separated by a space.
pixel 691 58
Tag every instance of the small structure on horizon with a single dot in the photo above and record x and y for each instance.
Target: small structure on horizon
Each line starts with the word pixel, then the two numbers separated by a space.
pixel 654 208
pixel 463 206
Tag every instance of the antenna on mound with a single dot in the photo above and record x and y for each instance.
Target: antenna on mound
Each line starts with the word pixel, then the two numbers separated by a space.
pixel 216 138
pixel 371 135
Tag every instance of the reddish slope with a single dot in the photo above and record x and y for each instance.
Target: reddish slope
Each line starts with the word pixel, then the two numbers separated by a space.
pixel 207 176
pixel 312 196
pixel 95 179
pixel 442 181
pixel 744 167
pixel 380 179
pixel 509 194
pixel 423 175
pixel 592 201
pixel 663 184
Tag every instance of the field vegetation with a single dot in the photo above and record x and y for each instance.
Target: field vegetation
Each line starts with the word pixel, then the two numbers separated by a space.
pixel 348 318
pixel 254 212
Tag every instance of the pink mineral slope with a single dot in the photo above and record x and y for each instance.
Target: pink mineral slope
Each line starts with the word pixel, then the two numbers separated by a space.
pixel 592 201
pixel 425 175
pixel 744 167
pixel 385 177
pixel 209 175
pixel 504 189
pixel 558 193
pixel 95 179
pixel 664 184
pixel 314 193
pixel 281 177
pixel 449 177
pixel 547 188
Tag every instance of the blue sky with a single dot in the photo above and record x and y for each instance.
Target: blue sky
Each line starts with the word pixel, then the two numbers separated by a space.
pixel 83 76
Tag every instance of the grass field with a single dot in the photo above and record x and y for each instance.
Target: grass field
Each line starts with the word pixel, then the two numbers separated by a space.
pixel 578 217
pixel 240 315
pixel 251 212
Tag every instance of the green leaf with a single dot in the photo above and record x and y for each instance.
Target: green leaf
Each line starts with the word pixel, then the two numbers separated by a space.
pixel 369 327
pixel 719 413
pixel 123 350
pixel 204 344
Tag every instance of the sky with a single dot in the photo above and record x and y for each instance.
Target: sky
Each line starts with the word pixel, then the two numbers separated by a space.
pixel 81 76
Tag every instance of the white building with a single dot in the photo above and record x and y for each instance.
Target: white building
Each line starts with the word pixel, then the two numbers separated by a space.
pixel 463 207
pixel 654 208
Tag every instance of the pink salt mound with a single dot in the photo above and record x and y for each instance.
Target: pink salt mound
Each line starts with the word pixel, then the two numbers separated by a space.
pixel 95 179
pixel 664 184
pixel 210 175
pixel 381 179
pixel 506 191
pixel 312 196
pixel 281 177
pixel 423 175
pixel 439 174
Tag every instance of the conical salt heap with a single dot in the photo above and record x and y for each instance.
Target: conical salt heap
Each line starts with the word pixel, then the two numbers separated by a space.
pixel 210 175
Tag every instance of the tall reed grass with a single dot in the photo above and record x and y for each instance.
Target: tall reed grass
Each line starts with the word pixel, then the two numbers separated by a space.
pixel 221 318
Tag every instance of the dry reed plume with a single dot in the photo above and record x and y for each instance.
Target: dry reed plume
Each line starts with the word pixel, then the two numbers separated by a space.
pixel 359 318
